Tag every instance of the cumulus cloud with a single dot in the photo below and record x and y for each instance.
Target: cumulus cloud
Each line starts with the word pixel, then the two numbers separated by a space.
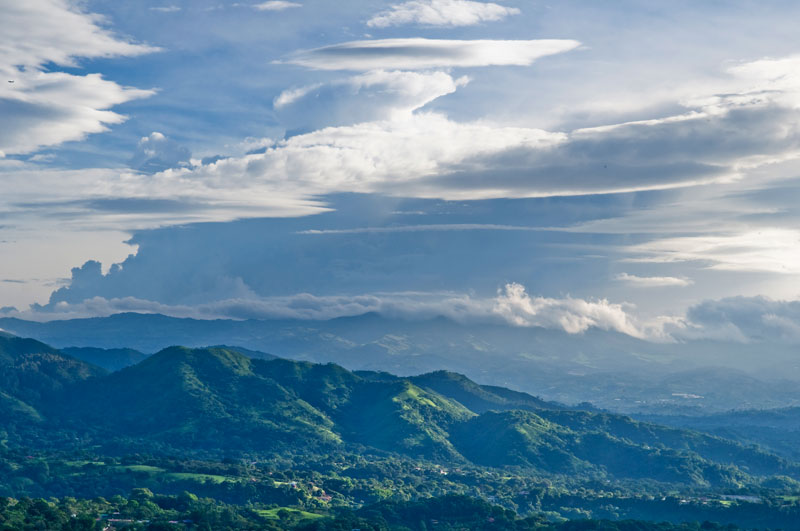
pixel 372 96
pixel 43 108
pixel 441 13
pixel 422 54
pixel 366 157
pixel 156 152
pixel 571 315
pixel 653 282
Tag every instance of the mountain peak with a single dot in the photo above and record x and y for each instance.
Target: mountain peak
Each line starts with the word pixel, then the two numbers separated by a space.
pixel 199 359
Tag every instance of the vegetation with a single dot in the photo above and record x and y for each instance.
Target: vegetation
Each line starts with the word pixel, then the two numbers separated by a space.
pixel 278 444
pixel 143 510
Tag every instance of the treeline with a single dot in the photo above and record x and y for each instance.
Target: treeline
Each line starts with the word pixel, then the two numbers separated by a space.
pixel 329 483
pixel 142 510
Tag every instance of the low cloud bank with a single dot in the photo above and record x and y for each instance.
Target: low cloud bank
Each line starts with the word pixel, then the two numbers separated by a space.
pixel 512 306
pixel 735 319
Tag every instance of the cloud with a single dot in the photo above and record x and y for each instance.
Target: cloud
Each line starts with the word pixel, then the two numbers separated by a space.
pixel 386 157
pixel 422 54
pixel 372 96
pixel 571 315
pixel 404 151
pixel 276 5
pixel 424 228
pixel 441 13
pixel 44 108
pixel 735 319
pixel 744 319
pixel 156 152
pixel 36 32
pixel 772 250
pixel 166 9
pixel 49 108
pixel 512 306
pixel 652 282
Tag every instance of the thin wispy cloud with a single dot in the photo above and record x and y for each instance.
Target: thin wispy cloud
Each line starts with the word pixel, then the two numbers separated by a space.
pixel 441 13
pixel 368 97
pixel 653 282
pixel 421 54
pixel 770 250
pixel 422 228
pixel 276 5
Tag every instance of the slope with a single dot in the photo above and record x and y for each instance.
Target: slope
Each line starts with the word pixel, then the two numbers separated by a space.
pixel 32 373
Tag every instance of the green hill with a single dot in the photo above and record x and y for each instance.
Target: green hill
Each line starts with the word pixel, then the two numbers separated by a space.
pixel 210 398
pixel 523 438
pixel 32 373
pixel 219 400
pixel 480 398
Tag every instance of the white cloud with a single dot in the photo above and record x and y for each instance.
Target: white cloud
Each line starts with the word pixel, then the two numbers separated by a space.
pixel 156 152
pixel 736 319
pixel 400 150
pixel 772 250
pixel 424 228
pixel 422 54
pixel 276 5
pixel 743 319
pixel 571 315
pixel 441 13
pixel 49 108
pixel 42 108
pixel 166 9
pixel 653 282
pixel 379 156
pixel 35 32
pixel 372 96
pixel 512 306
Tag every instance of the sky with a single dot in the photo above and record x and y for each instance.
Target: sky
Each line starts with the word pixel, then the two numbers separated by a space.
pixel 630 166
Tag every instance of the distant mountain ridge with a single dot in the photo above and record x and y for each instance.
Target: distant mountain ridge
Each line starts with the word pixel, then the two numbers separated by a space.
pixel 610 370
pixel 221 400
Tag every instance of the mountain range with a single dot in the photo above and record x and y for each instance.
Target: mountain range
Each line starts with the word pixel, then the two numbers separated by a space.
pixel 612 371
pixel 220 400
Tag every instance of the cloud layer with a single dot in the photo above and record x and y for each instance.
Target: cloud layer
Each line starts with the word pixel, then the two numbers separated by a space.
pixel 745 319
pixel 512 306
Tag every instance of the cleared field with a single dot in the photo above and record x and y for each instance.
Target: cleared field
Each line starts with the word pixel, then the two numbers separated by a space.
pixel 272 514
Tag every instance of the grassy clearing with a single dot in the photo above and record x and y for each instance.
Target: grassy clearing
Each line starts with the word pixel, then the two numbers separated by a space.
pixel 272 514
pixel 201 477
pixel 139 468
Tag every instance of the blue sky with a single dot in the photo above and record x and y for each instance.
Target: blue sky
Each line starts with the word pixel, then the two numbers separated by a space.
pixel 630 166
